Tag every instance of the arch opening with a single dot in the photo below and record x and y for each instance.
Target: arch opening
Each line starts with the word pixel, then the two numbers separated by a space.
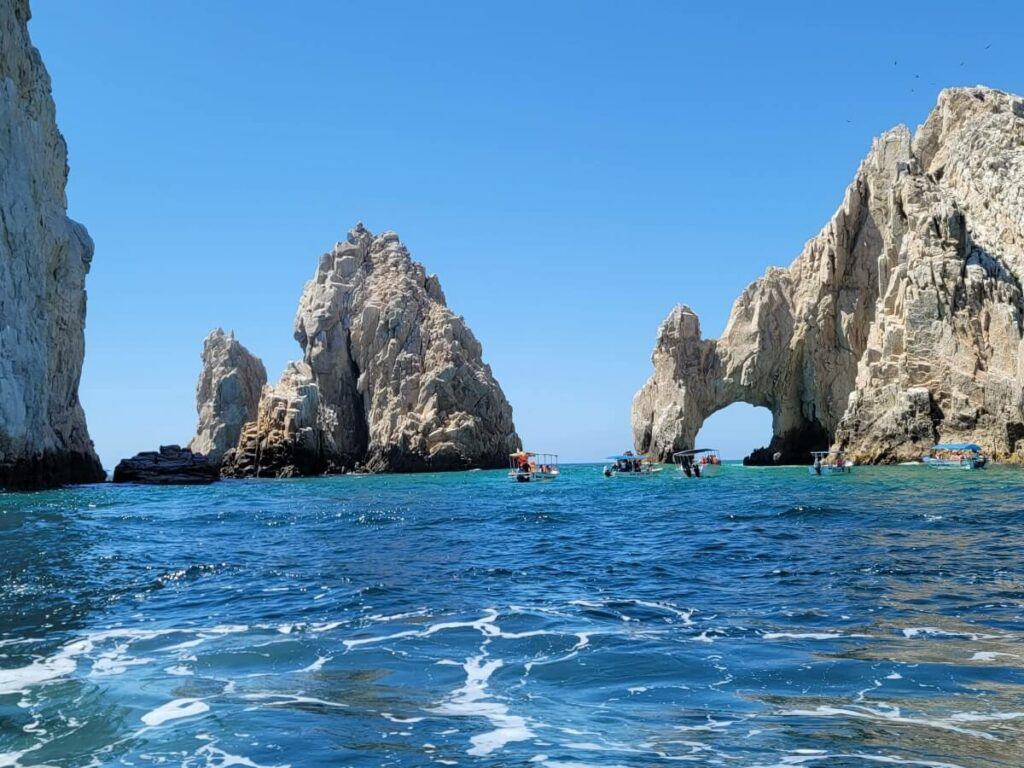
pixel 736 430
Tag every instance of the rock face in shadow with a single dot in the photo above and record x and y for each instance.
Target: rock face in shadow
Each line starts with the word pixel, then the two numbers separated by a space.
pixel 391 380
pixel 899 324
pixel 171 465
pixel 227 395
pixel 44 258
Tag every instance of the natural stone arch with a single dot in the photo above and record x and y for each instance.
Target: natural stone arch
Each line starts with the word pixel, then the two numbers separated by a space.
pixel 899 325
pixel 696 377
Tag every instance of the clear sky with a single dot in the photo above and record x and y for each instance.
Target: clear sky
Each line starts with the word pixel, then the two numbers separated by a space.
pixel 577 167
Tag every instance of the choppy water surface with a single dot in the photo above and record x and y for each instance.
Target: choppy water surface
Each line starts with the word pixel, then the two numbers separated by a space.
pixel 761 618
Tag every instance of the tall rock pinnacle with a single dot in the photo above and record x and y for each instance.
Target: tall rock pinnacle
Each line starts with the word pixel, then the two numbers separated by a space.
pixel 390 378
pixel 44 258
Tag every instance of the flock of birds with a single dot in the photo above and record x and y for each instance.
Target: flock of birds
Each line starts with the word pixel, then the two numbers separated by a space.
pixel 896 63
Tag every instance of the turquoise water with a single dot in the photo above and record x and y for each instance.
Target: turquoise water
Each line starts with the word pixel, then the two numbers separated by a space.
pixel 761 618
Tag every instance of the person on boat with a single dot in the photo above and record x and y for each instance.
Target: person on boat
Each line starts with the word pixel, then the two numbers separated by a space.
pixel 524 462
pixel 696 470
pixel 817 465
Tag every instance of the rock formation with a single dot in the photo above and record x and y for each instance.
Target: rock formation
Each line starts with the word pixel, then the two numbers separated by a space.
pixel 171 465
pixel 44 257
pixel 900 323
pixel 390 380
pixel 227 395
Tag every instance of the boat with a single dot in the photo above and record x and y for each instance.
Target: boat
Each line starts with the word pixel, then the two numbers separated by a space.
pixel 530 466
pixel 698 462
pixel 629 464
pixel 829 463
pixel 956 456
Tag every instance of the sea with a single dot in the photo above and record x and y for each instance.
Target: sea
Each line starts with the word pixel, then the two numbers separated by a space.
pixel 762 618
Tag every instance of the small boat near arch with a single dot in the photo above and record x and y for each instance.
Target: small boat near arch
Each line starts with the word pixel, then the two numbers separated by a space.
pixel 698 462
pixel 956 456
pixel 629 464
pixel 531 466
pixel 830 463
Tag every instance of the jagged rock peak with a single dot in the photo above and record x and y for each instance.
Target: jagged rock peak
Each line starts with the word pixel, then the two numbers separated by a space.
pixel 46 256
pixel 900 322
pixel 390 380
pixel 227 394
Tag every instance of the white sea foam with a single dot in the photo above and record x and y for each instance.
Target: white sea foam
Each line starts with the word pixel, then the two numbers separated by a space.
pixel 40 671
pixel 175 710
pixel 474 700
pixel 912 632
pixel 316 665
pixel 285 699
pixel 990 655
pixel 797 758
pixel 221 759
pixel 892 714
pixel 396 719
pixel 811 635
pixel 485 624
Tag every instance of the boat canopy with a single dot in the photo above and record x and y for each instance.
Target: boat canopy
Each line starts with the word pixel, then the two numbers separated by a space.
pixel 628 457
pixel 693 451
pixel 972 447
pixel 826 453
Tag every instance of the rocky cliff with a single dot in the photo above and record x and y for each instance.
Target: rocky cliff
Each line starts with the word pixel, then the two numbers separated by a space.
pixel 899 324
pixel 390 379
pixel 227 395
pixel 44 257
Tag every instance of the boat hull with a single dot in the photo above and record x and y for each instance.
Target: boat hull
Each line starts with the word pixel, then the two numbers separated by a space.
pixel 532 477
pixel 646 473
pixel 706 470
pixel 978 463
pixel 830 469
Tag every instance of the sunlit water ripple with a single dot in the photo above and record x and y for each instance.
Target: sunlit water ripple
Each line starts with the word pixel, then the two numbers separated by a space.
pixel 761 618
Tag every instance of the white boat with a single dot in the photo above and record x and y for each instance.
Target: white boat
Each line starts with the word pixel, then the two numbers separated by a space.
pixel 530 466
pixel 629 464
pixel 956 456
pixel 829 463
pixel 698 462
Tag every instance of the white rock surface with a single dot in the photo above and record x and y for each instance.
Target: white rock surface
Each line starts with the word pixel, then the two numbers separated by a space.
pixel 44 258
pixel 897 326
pixel 227 395
pixel 391 379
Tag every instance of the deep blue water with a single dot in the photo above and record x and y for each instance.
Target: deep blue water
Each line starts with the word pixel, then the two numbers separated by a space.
pixel 760 618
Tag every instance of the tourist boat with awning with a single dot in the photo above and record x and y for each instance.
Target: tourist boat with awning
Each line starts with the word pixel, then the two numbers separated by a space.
pixel 530 466
pixel 956 456
pixel 629 464
pixel 829 463
pixel 698 462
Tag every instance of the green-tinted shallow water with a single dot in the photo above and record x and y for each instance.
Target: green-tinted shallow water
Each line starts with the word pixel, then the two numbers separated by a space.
pixel 762 618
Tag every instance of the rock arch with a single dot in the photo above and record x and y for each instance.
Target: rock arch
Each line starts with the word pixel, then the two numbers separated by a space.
pixel 899 324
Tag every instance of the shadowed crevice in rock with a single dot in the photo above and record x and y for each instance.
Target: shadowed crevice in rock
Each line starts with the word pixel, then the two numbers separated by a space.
pixel 897 326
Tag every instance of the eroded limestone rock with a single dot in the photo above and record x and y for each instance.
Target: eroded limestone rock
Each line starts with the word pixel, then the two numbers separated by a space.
pixel 391 379
pixel 171 465
pixel 897 326
pixel 227 395
pixel 44 258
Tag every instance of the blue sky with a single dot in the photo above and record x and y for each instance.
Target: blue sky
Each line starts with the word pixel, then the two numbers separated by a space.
pixel 574 165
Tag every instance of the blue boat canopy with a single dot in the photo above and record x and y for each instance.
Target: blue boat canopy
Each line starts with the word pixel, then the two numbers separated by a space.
pixel 972 447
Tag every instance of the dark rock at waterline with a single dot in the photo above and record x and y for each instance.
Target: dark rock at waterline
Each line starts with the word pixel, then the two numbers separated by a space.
pixel 171 465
